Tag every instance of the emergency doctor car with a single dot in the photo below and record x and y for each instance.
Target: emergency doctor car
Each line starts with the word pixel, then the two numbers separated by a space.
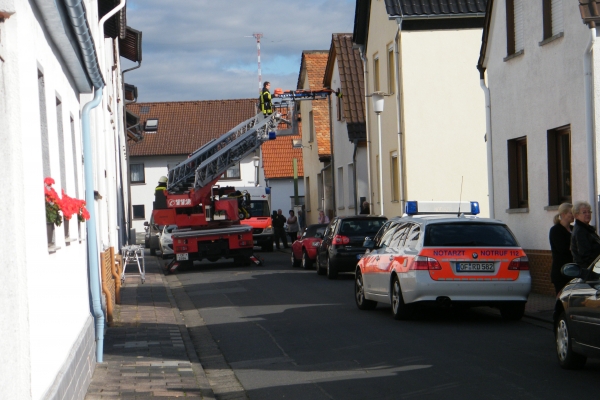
pixel 441 252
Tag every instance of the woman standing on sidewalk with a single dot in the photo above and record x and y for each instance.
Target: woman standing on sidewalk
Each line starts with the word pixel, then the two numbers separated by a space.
pixel 293 226
pixel 585 242
pixel 560 244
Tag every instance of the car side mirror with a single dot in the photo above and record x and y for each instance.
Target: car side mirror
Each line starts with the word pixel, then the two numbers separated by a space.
pixel 146 223
pixel 571 270
pixel 369 243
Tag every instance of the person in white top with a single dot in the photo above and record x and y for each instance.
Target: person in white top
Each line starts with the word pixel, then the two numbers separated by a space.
pixel 293 226
pixel 323 219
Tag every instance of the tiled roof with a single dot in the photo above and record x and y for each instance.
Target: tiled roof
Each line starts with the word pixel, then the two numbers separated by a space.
pixel 590 12
pixel 184 126
pixel 278 155
pixel 350 68
pixel 315 62
pixel 414 8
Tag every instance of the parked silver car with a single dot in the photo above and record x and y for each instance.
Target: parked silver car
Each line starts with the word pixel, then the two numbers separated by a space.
pixel 166 241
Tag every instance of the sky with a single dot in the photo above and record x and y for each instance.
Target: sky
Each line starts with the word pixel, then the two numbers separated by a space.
pixel 199 49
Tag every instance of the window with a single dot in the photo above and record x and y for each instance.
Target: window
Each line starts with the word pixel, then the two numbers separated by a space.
pixel 468 234
pixel 144 109
pixel 340 187
pixel 376 86
pixel 61 144
pixel 139 212
pixel 514 26
pixel 137 173
pixel 517 173
pixel 311 127
pixel 394 176
pixel 44 125
pixel 340 105
pixel 400 235
pixel 232 172
pixel 351 179
pixel 386 237
pixel 307 192
pixel 553 18
pixel 301 201
pixel 320 199
pixel 151 125
pixel 412 237
pixel 390 70
pixel 559 166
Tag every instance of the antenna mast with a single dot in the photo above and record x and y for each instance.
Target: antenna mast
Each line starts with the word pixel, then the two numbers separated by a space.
pixel 257 36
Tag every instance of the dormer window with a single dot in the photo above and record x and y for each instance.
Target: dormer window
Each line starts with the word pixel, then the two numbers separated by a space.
pixel 151 125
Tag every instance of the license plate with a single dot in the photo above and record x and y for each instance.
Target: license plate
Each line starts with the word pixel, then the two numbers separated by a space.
pixel 183 256
pixel 474 267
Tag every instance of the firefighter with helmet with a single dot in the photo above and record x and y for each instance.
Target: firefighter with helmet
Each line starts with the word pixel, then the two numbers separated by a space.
pixel 160 200
pixel 265 100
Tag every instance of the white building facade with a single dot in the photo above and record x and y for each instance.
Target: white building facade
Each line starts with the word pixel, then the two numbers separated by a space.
pixel 542 114
pixel 49 347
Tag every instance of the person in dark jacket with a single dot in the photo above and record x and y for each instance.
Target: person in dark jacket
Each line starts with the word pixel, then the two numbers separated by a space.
pixel 265 100
pixel 278 226
pixel 365 209
pixel 585 242
pixel 560 244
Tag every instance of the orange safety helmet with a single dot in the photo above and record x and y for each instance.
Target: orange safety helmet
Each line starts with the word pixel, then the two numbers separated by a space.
pixel 278 91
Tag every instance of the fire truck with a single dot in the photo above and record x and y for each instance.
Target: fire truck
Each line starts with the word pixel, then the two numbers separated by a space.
pixel 208 217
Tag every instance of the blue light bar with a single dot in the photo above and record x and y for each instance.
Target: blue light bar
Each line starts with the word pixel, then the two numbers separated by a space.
pixel 474 207
pixel 411 207
pixel 267 190
pixel 272 135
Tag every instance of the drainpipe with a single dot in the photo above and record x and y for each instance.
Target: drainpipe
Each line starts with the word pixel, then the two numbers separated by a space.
pixel 399 115
pixel 589 114
pixel 488 140
pixel 355 194
pixel 332 163
pixel 368 130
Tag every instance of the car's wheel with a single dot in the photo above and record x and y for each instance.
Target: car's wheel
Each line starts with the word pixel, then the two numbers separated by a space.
pixel 295 262
pixel 512 311
pixel 320 270
pixel 306 261
pixel 331 270
pixel 566 357
pixel 359 294
pixel 400 309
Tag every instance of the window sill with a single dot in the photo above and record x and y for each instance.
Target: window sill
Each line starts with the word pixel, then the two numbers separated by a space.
pixel 552 38
pixel 138 183
pixel 138 219
pixel 514 55
pixel 517 210
pixel 394 201
pixel 341 208
pixel 351 207
pixel 551 208
pixel 52 249
pixel 68 240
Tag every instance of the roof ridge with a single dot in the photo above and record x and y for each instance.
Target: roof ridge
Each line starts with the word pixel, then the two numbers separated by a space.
pixel 189 101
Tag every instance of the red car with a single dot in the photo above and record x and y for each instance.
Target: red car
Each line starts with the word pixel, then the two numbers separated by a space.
pixel 304 250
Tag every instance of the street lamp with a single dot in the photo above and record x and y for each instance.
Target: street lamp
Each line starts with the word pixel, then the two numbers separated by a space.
pixel 377 99
pixel 256 161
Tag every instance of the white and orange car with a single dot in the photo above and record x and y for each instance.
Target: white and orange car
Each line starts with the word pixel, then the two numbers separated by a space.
pixel 443 253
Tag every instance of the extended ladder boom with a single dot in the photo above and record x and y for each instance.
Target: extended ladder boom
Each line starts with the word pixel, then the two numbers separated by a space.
pixel 211 161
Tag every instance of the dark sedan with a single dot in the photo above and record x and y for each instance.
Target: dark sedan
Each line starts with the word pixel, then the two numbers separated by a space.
pixel 342 244
pixel 577 316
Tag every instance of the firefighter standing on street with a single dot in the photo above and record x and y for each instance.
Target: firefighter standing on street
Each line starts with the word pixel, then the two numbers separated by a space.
pixel 265 100
pixel 160 200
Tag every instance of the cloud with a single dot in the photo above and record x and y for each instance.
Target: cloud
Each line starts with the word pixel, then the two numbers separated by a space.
pixel 197 50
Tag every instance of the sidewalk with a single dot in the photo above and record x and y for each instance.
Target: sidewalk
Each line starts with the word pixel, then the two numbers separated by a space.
pixel 148 352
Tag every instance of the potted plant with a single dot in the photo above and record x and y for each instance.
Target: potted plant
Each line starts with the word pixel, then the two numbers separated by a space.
pixel 53 216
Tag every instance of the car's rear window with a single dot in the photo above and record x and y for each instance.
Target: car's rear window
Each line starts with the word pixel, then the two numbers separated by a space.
pixel 311 230
pixel 351 227
pixel 469 234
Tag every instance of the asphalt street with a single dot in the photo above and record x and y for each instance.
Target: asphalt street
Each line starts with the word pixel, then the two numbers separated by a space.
pixel 289 333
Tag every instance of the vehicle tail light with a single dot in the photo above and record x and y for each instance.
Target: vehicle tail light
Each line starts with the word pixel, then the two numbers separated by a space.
pixel 519 264
pixel 425 263
pixel 339 239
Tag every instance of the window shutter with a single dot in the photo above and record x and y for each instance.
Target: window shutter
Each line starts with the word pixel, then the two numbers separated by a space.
pixel 518 25
pixel 557 17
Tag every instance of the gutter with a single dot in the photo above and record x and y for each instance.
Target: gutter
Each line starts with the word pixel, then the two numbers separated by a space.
pixel 368 131
pixel 436 16
pixel 589 114
pixel 355 194
pixel 399 114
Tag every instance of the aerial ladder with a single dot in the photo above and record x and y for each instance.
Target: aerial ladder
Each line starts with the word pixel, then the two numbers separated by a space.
pixel 207 216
